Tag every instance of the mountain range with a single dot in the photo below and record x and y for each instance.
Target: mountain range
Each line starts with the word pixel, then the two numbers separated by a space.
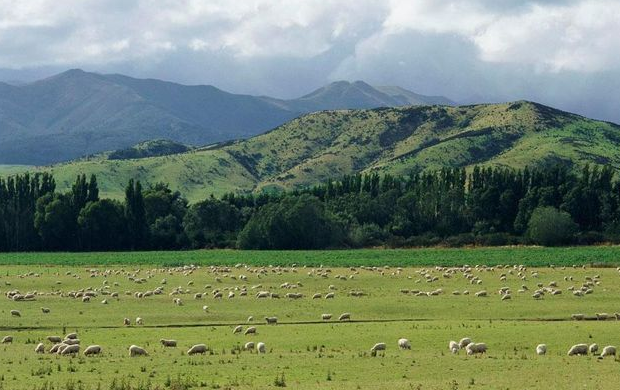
pixel 330 144
pixel 78 113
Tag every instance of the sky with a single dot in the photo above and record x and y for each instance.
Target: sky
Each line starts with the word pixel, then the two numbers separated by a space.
pixel 562 53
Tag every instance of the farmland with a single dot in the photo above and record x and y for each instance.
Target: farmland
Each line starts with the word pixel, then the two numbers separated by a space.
pixel 303 351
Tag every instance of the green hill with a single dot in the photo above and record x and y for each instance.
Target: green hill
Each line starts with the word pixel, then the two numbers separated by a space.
pixel 399 140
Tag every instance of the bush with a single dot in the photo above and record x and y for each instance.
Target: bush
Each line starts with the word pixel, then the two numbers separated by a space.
pixel 549 226
pixel 367 235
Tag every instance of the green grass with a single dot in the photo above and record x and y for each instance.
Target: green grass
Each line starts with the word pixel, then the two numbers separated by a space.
pixel 530 256
pixel 314 147
pixel 308 352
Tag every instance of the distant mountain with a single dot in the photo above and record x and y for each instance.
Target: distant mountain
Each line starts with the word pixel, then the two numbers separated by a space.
pixel 317 146
pixel 77 113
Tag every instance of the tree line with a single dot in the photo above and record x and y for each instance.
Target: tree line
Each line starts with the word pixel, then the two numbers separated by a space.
pixel 453 207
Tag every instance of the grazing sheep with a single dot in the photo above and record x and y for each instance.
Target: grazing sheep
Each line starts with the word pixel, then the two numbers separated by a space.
pixel 345 317
pixel 71 336
pixel 541 349
pixel 54 339
pixel 16 313
pixel 464 342
pixel 330 295
pixel 404 344
pixel 261 348
pixel 92 350
pixel 482 293
pixel 70 350
pixel 40 348
pixel 578 317
pixel 126 321
pixel 378 347
pixel 139 321
pixel 578 349
pixel 238 329
pixel 474 348
pixel 326 317
pixel 250 319
pixel 271 320
pixel 205 308
pixel 198 348
pixel 45 310
pixel 55 347
pixel 168 343
pixel 453 346
pixel 134 350
pixel 249 346
pixel 609 350
pixel 250 330
pixel 593 348
pixel 71 341
pixel 317 296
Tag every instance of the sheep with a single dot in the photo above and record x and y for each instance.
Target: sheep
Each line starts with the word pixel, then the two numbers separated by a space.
pixel 344 317
pixel 578 349
pixel 474 348
pixel 541 349
pixel 71 336
pixel 378 347
pixel 330 295
pixel 134 350
pixel 593 348
pixel 70 350
pixel 198 348
pixel 139 321
pixel 126 321
pixel 16 313
pixel 40 348
pixel 609 350
pixel 317 296
pixel 249 346
pixel 250 319
pixel 71 341
pixel 55 347
pixel 578 317
pixel 250 330
pixel 602 316
pixel 464 342
pixel 54 339
pixel 168 343
pixel 404 344
pixel 271 320
pixel 92 350
pixel 453 346
pixel 482 293
pixel 45 310
pixel 261 348
pixel 238 329
pixel 205 308
pixel 326 317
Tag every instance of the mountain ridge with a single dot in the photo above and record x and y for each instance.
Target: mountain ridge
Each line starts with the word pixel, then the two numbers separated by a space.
pixel 397 141
pixel 77 113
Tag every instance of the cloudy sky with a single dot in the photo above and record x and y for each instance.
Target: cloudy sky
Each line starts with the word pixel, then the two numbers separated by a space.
pixel 563 53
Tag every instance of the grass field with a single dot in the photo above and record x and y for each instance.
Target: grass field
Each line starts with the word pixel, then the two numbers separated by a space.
pixel 303 350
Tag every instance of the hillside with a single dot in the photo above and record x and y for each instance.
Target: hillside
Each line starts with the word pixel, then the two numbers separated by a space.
pixel 326 144
pixel 76 113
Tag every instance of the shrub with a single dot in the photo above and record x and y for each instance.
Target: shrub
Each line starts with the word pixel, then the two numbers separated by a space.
pixel 549 226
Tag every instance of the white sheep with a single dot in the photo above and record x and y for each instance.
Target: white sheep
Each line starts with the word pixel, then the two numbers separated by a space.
pixel 330 295
pixel 453 346
pixel 541 349
pixel 249 346
pixel 261 348
pixel 139 321
pixel 344 317
pixel 404 344
pixel 578 317
pixel 126 321
pixel 92 350
pixel 168 343
pixel 134 350
pixel 54 339
pixel 250 330
pixel 55 347
pixel 238 329
pixel 609 350
pixel 378 347
pixel 71 341
pixel 198 348
pixel 326 317
pixel 593 348
pixel 474 348
pixel 271 320
pixel 578 349
pixel 71 336
pixel 40 348
pixel 464 342
pixel 70 350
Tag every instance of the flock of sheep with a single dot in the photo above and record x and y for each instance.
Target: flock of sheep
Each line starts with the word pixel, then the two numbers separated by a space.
pixel 70 344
